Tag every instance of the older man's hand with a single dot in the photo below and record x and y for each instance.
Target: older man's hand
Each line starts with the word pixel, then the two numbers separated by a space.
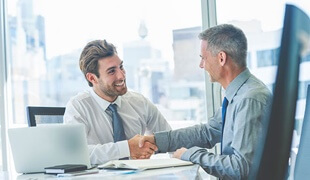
pixel 179 152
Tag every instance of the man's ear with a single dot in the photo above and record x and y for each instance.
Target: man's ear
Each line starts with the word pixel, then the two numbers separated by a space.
pixel 92 78
pixel 222 56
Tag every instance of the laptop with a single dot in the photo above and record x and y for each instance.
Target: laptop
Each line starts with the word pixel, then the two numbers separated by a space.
pixel 34 148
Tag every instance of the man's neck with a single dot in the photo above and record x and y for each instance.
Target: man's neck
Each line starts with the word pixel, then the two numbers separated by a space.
pixel 103 96
pixel 230 75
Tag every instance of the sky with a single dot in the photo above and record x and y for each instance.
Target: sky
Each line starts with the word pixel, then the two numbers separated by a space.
pixel 70 24
pixel 78 22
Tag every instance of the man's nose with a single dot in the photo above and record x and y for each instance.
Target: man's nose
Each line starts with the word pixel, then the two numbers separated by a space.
pixel 120 74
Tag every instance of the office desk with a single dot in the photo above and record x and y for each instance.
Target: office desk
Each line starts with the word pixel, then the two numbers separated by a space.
pixel 174 173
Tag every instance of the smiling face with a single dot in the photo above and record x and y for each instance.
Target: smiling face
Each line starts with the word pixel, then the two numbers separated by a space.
pixel 209 62
pixel 112 78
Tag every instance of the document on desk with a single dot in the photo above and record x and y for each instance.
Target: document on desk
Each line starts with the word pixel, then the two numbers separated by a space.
pixel 78 173
pixel 143 164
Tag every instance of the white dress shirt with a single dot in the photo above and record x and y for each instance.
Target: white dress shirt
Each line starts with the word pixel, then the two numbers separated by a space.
pixel 139 116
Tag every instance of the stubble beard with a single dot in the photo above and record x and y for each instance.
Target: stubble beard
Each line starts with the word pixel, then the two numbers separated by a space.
pixel 114 92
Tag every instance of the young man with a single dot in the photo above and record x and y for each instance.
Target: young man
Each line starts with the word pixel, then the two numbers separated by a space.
pixel 239 125
pixel 113 117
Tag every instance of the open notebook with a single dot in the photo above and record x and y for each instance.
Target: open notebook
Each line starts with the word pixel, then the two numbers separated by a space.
pixel 143 164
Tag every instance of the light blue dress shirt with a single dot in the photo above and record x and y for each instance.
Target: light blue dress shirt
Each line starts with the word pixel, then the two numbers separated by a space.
pixel 248 98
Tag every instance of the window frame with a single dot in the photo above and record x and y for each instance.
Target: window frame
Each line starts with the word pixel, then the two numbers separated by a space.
pixel 213 90
pixel 3 81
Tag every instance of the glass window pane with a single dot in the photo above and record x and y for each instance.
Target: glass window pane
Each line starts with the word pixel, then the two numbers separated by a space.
pixel 157 40
pixel 264 34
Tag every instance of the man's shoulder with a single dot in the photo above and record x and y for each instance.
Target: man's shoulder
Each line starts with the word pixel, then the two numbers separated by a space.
pixel 82 100
pixel 256 89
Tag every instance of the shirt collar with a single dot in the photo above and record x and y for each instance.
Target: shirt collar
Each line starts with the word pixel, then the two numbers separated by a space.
pixel 234 86
pixel 104 103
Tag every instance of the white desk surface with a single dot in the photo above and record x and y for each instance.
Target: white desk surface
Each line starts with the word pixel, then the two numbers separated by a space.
pixel 176 173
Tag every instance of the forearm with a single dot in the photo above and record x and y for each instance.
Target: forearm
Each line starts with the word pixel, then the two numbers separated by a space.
pixel 200 135
pixel 221 166
pixel 102 153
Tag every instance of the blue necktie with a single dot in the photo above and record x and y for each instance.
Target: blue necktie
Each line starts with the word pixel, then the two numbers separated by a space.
pixel 224 107
pixel 118 129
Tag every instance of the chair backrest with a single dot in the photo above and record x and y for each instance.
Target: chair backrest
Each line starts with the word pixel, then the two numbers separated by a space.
pixel 303 156
pixel 44 115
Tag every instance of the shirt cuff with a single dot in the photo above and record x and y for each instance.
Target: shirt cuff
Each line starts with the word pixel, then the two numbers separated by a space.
pixel 123 149
pixel 187 154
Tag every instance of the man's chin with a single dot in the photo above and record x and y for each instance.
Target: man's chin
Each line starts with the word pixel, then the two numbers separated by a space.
pixel 122 92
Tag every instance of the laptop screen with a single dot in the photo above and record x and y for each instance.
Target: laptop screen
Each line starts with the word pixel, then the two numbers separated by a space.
pixel 35 148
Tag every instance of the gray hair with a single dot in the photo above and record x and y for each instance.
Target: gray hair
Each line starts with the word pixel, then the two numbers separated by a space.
pixel 229 39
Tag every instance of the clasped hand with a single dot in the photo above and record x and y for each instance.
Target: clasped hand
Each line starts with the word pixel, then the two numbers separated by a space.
pixel 143 151
pixel 143 147
pixel 145 140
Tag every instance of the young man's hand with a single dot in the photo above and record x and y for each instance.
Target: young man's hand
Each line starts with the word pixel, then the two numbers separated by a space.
pixel 139 150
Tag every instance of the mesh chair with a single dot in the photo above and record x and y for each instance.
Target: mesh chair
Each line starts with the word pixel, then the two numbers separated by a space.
pixel 44 115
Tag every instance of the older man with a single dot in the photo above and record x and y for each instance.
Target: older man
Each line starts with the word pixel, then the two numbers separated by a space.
pixel 238 124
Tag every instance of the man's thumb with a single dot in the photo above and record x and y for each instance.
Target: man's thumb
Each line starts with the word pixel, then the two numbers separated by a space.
pixel 141 142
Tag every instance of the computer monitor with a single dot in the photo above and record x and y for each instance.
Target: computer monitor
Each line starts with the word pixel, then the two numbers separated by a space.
pixel 271 160
pixel 303 156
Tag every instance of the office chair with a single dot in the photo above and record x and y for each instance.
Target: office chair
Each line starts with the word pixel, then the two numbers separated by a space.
pixel 44 115
pixel 303 156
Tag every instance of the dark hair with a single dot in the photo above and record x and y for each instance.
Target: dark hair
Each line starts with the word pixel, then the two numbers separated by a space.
pixel 229 39
pixel 92 53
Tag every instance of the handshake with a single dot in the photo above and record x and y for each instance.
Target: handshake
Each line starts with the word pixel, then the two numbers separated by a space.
pixel 143 147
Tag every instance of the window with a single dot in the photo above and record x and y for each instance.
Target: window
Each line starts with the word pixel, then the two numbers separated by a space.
pixel 306 58
pixel 302 89
pixel 268 57
pixel 263 33
pixel 160 51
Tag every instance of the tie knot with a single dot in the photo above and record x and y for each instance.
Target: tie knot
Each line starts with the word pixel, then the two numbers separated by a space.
pixel 225 102
pixel 112 107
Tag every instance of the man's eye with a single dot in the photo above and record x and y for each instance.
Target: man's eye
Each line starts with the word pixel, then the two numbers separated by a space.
pixel 111 71
pixel 121 67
